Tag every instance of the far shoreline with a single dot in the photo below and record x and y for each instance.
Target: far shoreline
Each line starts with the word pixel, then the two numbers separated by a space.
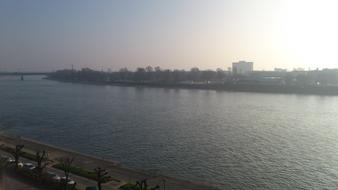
pixel 250 88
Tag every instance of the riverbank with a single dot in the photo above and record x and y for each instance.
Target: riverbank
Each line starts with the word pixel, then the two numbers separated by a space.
pixel 257 88
pixel 122 174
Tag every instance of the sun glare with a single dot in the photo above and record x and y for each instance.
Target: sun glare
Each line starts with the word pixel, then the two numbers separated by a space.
pixel 311 32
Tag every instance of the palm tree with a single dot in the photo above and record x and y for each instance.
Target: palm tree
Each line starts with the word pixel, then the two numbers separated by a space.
pixel 100 174
pixel 42 161
pixel 16 154
pixel 66 166
pixel 143 185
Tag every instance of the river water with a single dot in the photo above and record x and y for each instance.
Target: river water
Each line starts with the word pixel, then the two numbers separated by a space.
pixel 231 140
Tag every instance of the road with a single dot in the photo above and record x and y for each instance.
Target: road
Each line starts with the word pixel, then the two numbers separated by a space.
pixel 11 183
pixel 118 172
pixel 82 182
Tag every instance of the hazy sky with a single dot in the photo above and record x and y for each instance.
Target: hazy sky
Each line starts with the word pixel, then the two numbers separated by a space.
pixel 47 35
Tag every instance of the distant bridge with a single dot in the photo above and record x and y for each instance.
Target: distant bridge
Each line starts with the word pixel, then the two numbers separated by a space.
pixel 23 73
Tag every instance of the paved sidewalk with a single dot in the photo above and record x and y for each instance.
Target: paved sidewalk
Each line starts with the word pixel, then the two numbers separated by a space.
pixel 118 172
pixel 11 183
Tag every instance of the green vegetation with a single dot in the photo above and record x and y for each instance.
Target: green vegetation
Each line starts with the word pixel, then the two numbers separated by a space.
pixel 128 186
pixel 139 185
pixel 325 77
pixel 30 175
pixel 24 152
pixel 85 173
pixel 29 154
pixel 148 74
pixel 42 160
pixel 65 164
pixel 101 174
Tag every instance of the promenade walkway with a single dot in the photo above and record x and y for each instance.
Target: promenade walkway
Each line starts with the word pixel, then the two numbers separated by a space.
pixel 118 172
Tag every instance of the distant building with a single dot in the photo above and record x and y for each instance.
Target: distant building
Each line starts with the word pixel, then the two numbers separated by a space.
pixel 299 69
pixel 242 67
pixel 280 70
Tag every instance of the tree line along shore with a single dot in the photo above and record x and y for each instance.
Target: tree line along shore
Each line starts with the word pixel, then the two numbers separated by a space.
pixel 321 82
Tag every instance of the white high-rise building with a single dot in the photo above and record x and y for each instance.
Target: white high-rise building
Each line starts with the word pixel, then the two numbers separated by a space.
pixel 242 67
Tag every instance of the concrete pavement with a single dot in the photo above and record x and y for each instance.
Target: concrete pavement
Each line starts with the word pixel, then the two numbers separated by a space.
pixel 120 173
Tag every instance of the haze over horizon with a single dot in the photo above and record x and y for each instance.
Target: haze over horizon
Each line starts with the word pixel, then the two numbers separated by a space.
pixel 176 34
